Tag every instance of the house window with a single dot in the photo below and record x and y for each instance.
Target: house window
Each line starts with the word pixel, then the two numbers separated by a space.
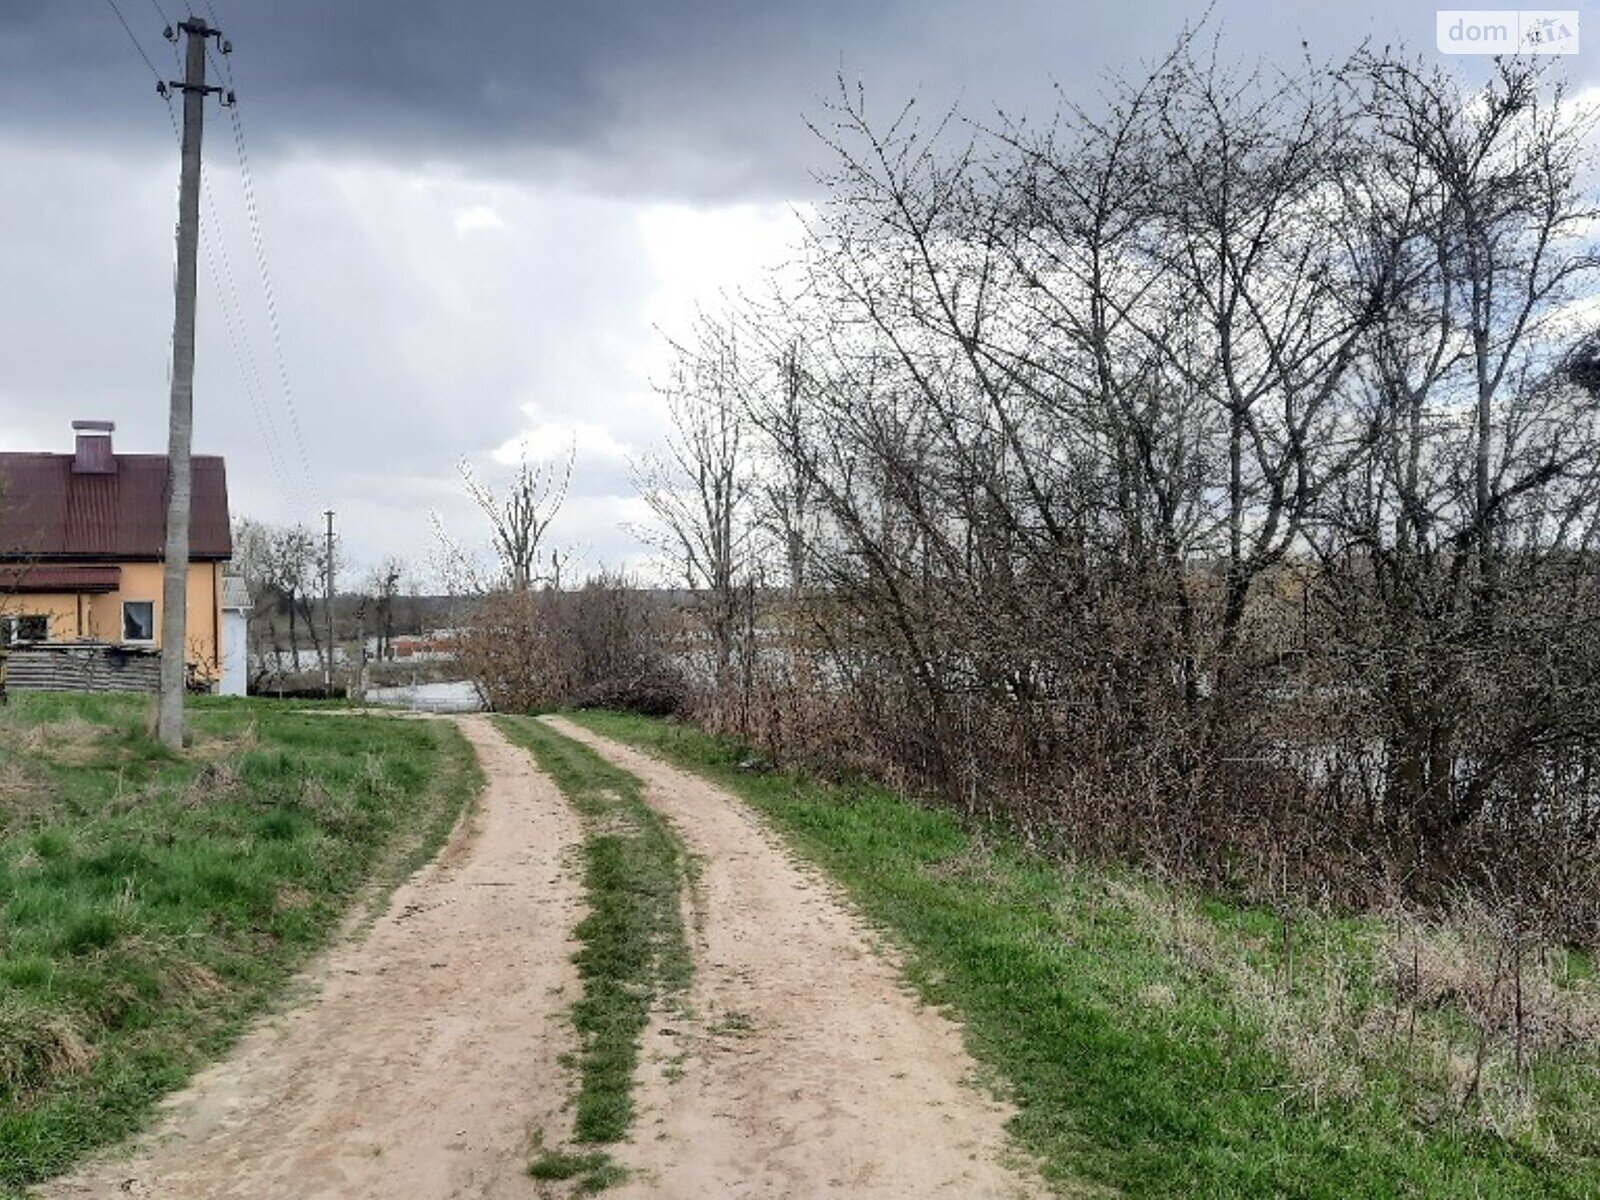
pixel 24 629
pixel 138 621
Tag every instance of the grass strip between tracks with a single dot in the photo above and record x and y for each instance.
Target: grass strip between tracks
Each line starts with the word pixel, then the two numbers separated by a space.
pixel 634 954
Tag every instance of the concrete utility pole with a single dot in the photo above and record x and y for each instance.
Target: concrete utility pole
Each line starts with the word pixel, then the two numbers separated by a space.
pixel 327 665
pixel 358 673
pixel 175 581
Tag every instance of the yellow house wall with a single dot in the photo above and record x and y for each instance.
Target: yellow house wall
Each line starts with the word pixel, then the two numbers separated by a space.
pixel 62 611
pixel 102 615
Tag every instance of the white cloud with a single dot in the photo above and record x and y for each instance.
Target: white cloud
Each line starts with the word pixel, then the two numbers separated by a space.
pixel 701 254
pixel 552 441
pixel 477 219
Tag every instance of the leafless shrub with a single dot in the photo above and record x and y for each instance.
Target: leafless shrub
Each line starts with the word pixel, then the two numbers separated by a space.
pixel 599 644
pixel 512 652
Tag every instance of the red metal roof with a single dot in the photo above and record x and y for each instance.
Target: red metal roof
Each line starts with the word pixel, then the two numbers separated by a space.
pixel 48 512
pixel 93 580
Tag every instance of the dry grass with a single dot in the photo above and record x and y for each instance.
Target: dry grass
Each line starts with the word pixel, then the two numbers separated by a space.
pixel 221 748
pixel 1437 1005
pixel 1513 988
pixel 26 800
pixel 289 898
pixel 38 1048
pixel 216 782
pixel 195 979
pixel 70 740
pixel 975 864
pixel 1315 1022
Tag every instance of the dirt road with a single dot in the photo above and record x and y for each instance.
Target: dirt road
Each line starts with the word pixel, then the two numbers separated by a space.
pixel 428 1055
pixel 805 1070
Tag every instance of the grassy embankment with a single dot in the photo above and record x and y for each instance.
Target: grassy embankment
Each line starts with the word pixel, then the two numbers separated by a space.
pixel 634 954
pixel 1161 1043
pixel 151 903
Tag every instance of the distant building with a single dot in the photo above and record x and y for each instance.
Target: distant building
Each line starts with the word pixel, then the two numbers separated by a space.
pixel 438 645
pixel 82 538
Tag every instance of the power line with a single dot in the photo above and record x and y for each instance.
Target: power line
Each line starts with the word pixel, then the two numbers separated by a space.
pixel 128 29
pixel 172 37
pixel 172 115
pixel 258 241
pixel 225 65
pixel 216 248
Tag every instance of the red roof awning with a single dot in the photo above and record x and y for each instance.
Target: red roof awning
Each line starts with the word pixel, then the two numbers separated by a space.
pixel 96 580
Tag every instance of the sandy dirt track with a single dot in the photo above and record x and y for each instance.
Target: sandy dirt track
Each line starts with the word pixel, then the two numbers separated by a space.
pixel 427 1057
pixel 805 1068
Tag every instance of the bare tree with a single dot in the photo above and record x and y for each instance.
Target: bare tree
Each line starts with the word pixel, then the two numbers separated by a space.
pixel 701 488
pixel 520 518
pixel 283 567
pixel 252 557
pixel 1212 476
pixel 1459 561
pixel 384 585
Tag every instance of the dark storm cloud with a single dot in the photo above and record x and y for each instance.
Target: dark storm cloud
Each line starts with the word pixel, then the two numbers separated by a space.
pixel 501 86
pixel 702 98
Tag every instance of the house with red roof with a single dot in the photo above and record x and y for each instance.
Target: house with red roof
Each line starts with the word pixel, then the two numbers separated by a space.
pixel 82 537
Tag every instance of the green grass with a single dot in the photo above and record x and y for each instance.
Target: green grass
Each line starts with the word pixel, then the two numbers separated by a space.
pixel 152 903
pixel 1157 1043
pixel 594 1170
pixel 633 955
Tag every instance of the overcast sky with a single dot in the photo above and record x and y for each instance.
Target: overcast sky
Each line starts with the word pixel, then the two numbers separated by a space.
pixel 478 216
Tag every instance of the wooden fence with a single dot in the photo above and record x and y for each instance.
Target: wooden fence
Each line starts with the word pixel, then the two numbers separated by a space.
pixel 81 667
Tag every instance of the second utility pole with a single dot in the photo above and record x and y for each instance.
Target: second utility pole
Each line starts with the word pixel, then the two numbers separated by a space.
pixel 327 669
pixel 175 572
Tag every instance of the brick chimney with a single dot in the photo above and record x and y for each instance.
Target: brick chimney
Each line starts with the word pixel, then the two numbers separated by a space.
pixel 93 455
